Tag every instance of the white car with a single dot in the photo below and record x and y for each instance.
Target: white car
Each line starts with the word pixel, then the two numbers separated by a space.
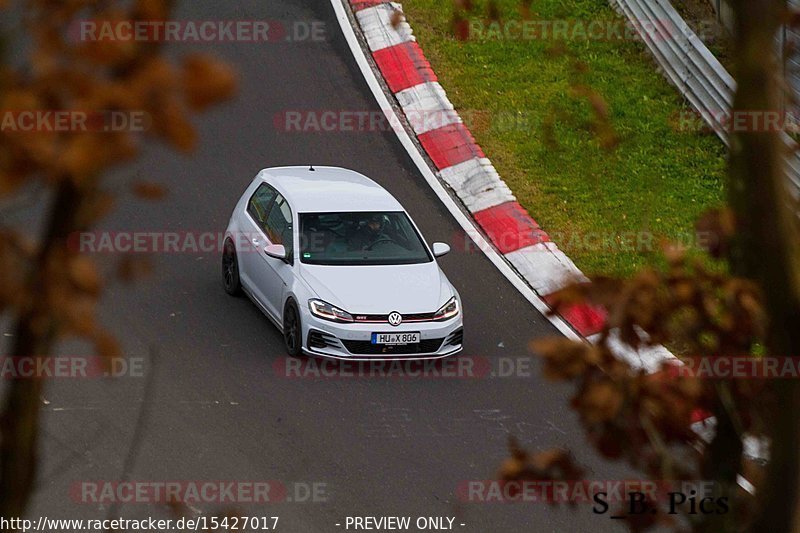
pixel 337 264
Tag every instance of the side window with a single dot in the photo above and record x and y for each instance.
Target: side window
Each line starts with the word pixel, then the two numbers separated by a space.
pixel 279 224
pixel 260 202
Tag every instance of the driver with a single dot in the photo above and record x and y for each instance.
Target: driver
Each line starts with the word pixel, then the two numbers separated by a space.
pixel 368 233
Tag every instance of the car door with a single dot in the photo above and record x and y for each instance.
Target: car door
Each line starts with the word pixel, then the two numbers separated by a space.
pixel 254 240
pixel 277 274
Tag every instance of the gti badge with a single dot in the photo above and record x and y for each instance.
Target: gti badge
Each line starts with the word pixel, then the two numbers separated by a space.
pixel 395 318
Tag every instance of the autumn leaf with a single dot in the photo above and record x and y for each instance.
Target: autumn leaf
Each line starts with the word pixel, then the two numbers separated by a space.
pixel 149 191
pixel 599 402
pixel 460 27
pixel 77 313
pixel 150 10
pixel 466 5
pixel 105 345
pixel 207 81
pixel 83 156
pixel 83 274
pixel 174 126
pixel 153 77
pixel 525 9
pixel 492 11
pixel 603 129
pixel 552 464
pixel 564 359
pixel 133 267
pixel 397 18
pixel 717 228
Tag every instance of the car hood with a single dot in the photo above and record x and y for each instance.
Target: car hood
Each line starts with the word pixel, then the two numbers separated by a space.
pixel 380 289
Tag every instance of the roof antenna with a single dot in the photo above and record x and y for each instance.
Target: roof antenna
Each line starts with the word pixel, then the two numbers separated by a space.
pixel 311 168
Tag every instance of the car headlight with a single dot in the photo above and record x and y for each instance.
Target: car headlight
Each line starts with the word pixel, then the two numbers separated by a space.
pixel 327 311
pixel 448 310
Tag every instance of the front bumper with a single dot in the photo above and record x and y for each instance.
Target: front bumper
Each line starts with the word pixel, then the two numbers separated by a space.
pixel 324 338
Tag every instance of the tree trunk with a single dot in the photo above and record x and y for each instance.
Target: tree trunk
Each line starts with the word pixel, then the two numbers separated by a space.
pixel 766 247
pixel 34 334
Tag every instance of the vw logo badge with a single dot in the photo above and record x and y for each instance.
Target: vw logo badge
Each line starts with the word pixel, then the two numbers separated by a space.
pixel 395 318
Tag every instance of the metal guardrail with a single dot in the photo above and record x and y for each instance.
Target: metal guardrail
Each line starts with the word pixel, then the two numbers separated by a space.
pixel 692 68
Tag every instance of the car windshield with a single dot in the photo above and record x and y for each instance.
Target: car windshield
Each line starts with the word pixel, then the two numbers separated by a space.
pixel 368 238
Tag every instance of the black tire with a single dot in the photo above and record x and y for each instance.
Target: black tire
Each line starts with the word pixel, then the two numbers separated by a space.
pixel 230 269
pixel 292 331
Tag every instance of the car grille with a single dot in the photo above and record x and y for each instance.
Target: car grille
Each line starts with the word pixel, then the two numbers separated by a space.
pixel 367 348
pixel 409 317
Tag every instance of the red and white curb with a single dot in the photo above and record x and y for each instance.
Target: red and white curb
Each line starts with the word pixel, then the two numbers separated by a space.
pixel 461 164
pixel 508 235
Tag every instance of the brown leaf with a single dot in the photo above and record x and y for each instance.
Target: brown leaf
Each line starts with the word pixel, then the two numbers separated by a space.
pixel 525 9
pixel 397 18
pixel 83 274
pixel 599 401
pixel 153 76
pixel 149 190
pixel 19 100
pixel 95 208
pixel 150 10
pixel 78 314
pixel 133 267
pixel 106 345
pixel 511 469
pixel 717 227
pixel 83 156
pixel 564 359
pixel 552 464
pixel 460 27
pixel 207 81
pixel 492 11
pixel 602 126
pixel 609 445
pixel 173 124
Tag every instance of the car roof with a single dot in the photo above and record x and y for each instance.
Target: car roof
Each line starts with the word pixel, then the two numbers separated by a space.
pixel 329 189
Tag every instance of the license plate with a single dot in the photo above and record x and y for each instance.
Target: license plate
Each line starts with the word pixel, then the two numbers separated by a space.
pixel 392 339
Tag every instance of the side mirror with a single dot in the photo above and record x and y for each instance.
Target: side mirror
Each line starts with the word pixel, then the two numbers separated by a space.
pixel 440 249
pixel 278 251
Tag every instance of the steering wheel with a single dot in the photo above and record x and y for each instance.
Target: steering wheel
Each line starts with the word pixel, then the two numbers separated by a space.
pixel 382 239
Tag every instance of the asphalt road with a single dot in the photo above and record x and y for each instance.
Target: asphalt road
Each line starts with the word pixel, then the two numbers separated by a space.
pixel 219 411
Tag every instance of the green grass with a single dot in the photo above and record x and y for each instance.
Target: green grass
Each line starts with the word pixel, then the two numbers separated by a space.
pixel 656 180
